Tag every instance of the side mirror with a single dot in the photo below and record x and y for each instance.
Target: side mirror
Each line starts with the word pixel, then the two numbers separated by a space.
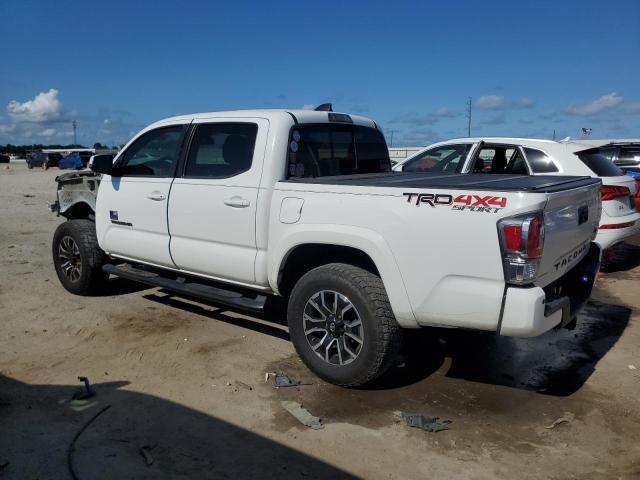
pixel 102 164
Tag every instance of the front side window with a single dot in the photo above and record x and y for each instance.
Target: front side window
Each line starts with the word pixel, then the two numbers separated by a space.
pixel 318 150
pixel 446 158
pixel 497 159
pixel 539 161
pixel 221 150
pixel 154 154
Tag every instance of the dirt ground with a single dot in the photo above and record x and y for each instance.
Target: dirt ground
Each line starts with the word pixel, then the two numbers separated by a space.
pixel 185 384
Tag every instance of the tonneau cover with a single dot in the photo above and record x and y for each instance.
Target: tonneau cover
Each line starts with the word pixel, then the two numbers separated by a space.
pixel 472 181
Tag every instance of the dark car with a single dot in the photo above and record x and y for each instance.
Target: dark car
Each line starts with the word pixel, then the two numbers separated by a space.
pixel 4 158
pixel 625 155
pixel 44 160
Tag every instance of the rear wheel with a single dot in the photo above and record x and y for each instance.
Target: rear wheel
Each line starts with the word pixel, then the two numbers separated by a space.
pixel 77 257
pixel 341 324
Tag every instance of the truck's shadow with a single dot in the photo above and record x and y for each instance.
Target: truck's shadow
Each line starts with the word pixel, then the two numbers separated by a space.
pixel 556 363
pixel 40 421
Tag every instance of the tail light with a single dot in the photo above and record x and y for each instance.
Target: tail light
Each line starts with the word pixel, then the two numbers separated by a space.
pixel 638 194
pixel 522 242
pixel 609 192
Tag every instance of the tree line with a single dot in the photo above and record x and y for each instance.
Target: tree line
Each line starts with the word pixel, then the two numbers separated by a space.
pixel 22 149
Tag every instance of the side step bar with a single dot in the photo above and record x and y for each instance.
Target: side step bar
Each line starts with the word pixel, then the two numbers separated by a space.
pixel 188 289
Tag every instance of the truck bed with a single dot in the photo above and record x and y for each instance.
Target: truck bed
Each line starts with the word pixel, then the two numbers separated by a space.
pixel 473 181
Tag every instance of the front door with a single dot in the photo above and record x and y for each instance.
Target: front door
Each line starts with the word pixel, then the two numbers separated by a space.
pixel 212 207
pixel 131 208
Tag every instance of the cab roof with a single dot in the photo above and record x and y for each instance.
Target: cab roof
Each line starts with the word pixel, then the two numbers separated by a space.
pixel 276 115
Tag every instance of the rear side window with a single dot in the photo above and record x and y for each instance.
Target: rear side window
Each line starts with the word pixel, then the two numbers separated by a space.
pixel 318 150
pixel 221 150
pixel 599 164
pixel 539 161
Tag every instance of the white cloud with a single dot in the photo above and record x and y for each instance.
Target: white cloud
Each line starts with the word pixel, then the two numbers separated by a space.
pixel 525 102
pixel 444 112
pixel 606 102
pixel 48 132
pixel 43 108
pixel 490 102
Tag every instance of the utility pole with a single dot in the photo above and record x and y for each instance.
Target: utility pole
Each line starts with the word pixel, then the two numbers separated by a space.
pixel 75 140
pixel 554 133
pixel 468 116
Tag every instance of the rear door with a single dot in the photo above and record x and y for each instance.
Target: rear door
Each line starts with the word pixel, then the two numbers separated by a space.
pixel 212 208
pixel 131 207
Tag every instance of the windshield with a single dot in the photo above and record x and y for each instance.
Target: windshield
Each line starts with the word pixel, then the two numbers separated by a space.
pixel 447 158
pixel 317 150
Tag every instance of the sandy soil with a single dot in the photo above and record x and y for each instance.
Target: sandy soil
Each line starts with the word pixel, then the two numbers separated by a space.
pixel 185 384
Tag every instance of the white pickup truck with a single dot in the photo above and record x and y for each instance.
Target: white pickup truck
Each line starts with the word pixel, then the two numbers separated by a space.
pixel 234 207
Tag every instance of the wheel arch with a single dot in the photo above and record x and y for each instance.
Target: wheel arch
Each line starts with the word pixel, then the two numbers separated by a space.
pixel 79 210
pixel 303 251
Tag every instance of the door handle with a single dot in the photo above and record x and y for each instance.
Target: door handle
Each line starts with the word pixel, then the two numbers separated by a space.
pixel 237 202
pixel 155 195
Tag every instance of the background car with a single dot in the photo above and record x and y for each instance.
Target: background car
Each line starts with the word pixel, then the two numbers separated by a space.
pixel 523 156
pixel 41 159
pixel 625 155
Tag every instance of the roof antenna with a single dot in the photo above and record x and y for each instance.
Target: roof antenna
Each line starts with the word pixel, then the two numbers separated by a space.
pixel 325 107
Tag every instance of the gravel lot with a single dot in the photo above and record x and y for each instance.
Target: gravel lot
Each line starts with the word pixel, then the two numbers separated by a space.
pixel 185 384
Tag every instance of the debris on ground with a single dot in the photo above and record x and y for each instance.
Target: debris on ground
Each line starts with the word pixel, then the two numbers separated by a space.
pixel 246 386
pixel 303 415
pixel 567 417
pixel 145 452
pixel 426 422
pixel 631 367
pixel 28 195
pixel 86 393
pixel 281 380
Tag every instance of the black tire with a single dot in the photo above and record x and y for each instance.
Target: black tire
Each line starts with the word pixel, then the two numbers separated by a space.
pixel 381 335
pixel 29 166
pixel 90 279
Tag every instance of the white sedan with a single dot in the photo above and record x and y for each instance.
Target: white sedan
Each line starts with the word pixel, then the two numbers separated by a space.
pixel 524 156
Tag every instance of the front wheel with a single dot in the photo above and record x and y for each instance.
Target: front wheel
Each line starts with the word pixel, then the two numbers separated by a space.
pixel 78 258
pixel 341 324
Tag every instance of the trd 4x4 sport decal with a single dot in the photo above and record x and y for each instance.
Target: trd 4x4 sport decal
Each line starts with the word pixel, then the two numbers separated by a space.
pixel 473 203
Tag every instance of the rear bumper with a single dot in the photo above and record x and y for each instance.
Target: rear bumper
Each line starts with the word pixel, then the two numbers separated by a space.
pixel 529 312
pixel 607 238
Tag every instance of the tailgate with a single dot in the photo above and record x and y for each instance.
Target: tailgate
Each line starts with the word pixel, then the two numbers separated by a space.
pixel 571 222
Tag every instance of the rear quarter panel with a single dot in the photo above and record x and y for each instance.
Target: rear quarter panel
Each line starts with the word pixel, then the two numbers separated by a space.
pixel 441 264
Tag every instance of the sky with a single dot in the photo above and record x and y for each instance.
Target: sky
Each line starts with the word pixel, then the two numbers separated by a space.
pixel 530 67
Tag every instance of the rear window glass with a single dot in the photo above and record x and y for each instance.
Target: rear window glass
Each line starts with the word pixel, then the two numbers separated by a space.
pixel 318 150
pixel 539 161
pixel 599 164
